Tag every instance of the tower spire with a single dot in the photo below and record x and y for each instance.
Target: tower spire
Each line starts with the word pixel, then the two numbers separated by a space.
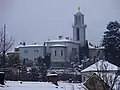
pixel 78 9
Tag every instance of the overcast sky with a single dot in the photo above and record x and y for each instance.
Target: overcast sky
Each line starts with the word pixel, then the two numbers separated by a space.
pixel 40 20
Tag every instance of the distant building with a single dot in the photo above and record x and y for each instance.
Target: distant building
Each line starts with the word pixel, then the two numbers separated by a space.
pixel 63 50
pixel 31 52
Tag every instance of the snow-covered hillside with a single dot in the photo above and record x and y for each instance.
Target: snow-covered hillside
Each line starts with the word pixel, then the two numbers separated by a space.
pixel 13 85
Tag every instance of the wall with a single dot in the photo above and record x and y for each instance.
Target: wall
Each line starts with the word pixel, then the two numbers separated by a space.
pixel 31 55
pixel 87 75
pixel 58 57
pixel 69 45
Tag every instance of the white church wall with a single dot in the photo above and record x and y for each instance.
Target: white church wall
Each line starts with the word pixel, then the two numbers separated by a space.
pixel 58 54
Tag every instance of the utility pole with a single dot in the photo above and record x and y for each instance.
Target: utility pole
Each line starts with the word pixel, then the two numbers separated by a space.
pixel 4 51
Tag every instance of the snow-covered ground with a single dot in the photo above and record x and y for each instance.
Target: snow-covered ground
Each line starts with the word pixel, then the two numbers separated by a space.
pixel 14 85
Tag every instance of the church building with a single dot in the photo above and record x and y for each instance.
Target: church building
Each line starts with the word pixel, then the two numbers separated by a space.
pixel 64 50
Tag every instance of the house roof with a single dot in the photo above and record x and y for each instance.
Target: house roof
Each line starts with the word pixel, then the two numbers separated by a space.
pixel 91 46
pixel 49 74
pixel 60 40
pixel 79 14
pixel 101 66
pixel 32 45
pixel 58 45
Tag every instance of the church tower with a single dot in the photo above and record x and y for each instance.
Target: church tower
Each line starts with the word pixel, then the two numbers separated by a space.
pixel 79 32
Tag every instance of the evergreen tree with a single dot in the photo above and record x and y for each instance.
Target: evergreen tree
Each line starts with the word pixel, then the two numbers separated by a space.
pixel 34 74
pixel 42 67
pixel 111 42
pixel 86 49
pixel 47 60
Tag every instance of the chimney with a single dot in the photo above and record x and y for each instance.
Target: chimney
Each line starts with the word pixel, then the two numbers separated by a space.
pixel 67 38
pixel 24 43
pixel 20 43
pixel 60 37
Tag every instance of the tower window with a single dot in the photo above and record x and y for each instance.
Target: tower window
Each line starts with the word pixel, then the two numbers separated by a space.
pixel 77 33
pixel 75 20
pixel 55 53
pixel 79 18
pixel 61 53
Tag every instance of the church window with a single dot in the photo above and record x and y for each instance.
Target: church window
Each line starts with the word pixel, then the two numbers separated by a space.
pixel 77 33
pixel 75 20
pixel 55 53
pixel 79 18
pixel 36 50
pixel 61 53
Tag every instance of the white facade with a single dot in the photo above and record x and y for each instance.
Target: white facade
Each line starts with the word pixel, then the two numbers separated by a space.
pixel 31 52
pixel 61 50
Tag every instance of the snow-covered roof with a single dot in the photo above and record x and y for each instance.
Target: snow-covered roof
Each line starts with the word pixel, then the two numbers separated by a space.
pixel 11 51
pixel 101 65
pixel 101 47
pixel 60 40
pixel 49 74
pixel 32 45
pixel 18 46
pixel 91 47
pixel 78 14
pixel 58 45
pixel 1 72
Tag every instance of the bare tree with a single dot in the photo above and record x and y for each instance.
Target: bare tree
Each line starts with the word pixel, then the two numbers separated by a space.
pixel 110 77
pixel 5 44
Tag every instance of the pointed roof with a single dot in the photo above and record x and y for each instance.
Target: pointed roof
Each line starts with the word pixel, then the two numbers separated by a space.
pixel 100 66
pixel 78 12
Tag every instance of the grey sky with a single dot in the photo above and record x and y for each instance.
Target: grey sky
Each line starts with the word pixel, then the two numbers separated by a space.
pixel 40 20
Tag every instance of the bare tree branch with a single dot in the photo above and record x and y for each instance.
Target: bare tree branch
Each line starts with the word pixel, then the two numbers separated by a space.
pixel 8 44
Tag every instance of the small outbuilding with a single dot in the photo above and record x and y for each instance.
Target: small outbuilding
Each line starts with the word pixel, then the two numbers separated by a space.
pixel 52 78
pixel 101 67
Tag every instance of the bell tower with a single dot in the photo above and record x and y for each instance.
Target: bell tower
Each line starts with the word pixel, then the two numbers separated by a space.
pixel 79 32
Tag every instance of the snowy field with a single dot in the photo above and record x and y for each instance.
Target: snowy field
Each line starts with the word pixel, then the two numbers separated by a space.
pixel 14 85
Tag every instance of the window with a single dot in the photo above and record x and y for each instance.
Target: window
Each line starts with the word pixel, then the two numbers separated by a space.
pixel 61 53
pixel 35 59
pixel 55 53
pixel 77 33
pixel 25 51
pixel 36 50
pixel 79 18
pixel 26 59
pixel 75 20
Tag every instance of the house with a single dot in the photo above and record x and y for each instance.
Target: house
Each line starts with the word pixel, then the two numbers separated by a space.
pixel 101 67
